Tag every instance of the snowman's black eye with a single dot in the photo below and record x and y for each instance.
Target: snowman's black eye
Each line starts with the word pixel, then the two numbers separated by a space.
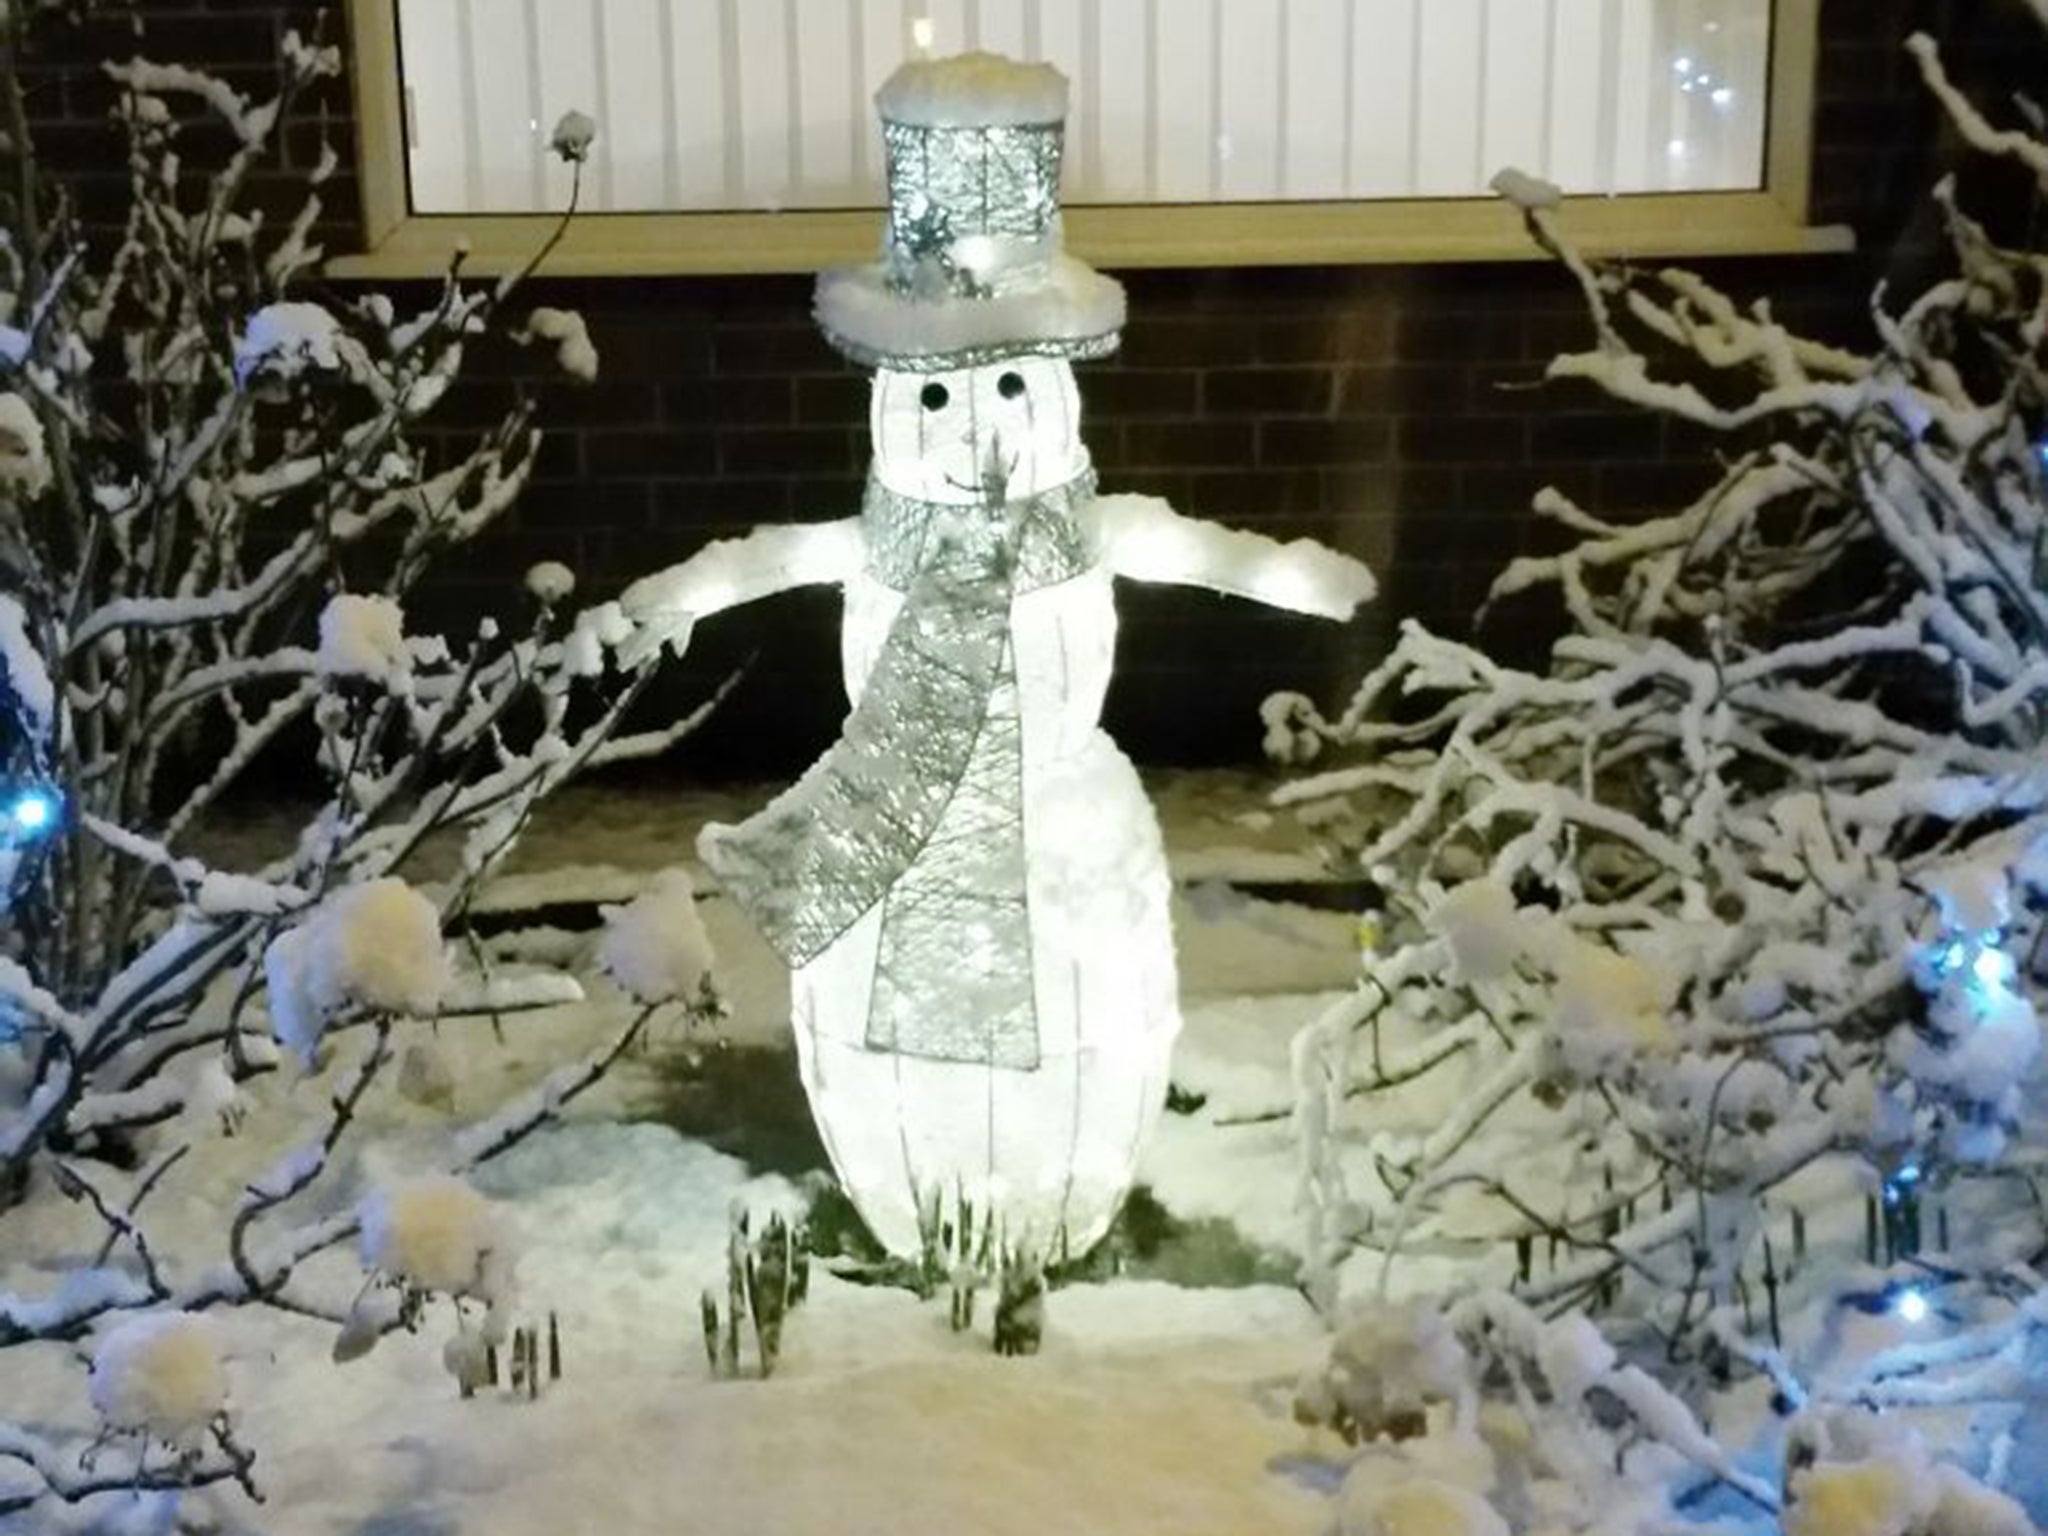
pixel 934 396
pixel 1010 385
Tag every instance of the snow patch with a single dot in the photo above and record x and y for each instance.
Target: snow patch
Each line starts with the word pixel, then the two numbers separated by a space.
pixel 655 946
pixel 1417 1506
pixel 376 945
pixel 1526 191
pixel 24 457
pixel 574 133
pixel 285 340
pixel 22 669
pixel 973 90
pixel 550 581
pixel 1483 926
pixel 363 636
pixel 162 1375
pixel 574 353
pixel 436 1234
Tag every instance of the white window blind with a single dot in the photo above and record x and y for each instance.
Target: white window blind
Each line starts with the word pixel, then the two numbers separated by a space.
pixel 751 105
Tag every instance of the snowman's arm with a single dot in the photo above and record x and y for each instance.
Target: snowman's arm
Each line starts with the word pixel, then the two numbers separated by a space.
pixel 1144 539
pixel 729 572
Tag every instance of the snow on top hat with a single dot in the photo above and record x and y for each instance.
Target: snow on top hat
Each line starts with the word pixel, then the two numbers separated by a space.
pixel 972 267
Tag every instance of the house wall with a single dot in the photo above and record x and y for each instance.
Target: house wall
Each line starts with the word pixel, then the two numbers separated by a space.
pixel 1394 412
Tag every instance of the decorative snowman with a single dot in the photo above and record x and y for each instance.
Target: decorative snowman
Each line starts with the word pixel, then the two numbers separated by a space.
pixel 969 886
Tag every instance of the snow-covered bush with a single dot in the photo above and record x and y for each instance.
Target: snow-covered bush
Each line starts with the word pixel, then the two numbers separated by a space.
pixel 161 1375
pixel 655 946
pixel 436 1235
pixel 216 504
pixel 1720 931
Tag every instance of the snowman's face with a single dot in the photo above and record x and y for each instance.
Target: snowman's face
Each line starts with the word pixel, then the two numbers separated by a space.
pixel 934 433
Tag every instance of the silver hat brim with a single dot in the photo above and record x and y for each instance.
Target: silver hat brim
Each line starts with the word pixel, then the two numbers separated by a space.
pixel 1069 311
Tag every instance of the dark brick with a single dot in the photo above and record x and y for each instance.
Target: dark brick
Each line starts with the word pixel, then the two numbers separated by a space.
pixel 251 36
pixel 1391 390
pixel 793 348
pixel 584 504
pixel 1190 343
pixel 791 451
pixel 1428 337
pixel 651 452
pixel 1256 495
pixel 607 402
pixel 1447 439
pixel 1587 436
pixel 1268 391
pixel 758 401
pixel 1187 444
pixel 833 399
pixel 1345 440
pixel 722 501
pixel 821 498
pixel 1127 392
pixel 1348 336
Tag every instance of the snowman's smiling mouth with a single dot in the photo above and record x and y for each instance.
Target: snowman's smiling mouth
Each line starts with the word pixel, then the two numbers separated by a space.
pixel 1006 429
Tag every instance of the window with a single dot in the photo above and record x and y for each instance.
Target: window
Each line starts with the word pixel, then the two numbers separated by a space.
pixel 740 134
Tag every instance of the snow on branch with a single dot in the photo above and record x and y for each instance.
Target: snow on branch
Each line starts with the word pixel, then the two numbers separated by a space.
pixel 219 496
pixel 1746 886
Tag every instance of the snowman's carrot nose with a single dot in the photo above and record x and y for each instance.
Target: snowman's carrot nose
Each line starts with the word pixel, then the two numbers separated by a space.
pixel 997 470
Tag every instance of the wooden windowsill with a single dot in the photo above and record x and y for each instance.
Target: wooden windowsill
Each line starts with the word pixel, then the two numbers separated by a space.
pixel 1679 225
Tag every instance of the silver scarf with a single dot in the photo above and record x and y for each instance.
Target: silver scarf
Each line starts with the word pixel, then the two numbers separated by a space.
pixel 919 805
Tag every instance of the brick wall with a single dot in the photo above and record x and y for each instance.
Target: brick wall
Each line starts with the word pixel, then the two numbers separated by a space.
pixel 1391 411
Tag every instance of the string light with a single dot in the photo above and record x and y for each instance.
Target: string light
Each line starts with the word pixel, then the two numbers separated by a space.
pixel 1910 1304
pixel 31 812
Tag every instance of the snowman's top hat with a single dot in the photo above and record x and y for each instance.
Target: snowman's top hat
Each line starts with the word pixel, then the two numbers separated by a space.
pixel 972 266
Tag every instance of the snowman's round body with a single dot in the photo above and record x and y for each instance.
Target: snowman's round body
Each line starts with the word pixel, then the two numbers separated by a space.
pixel 1048 1149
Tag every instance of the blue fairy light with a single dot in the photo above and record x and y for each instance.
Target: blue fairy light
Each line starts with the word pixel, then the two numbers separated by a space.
pixel 1910 1303
pixel 31 812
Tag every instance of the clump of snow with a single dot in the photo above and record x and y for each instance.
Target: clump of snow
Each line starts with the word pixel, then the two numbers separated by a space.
pixel 655 946
pixel 973 90
pixel 574 133
pixel 160 1374
pixel 24 458
pixel 363 635
pixel 550 581
pixel 1609 1009
pixel 1885 1496
pixel 1373 1505
pixel 1574 1355
pixel 869 321
pixel 286 339
pixel 1526 191
pixel 435 1233
pixel 376 945
pixel 1483 926
pixel 1877 1477
pixel 1974 896
pixel 1386 1366
pixel 1965 1507
pixel 574 352
pixel 22 672
pixel 594 632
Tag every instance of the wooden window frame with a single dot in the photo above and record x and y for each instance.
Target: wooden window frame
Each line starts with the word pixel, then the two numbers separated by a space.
pixel 400 243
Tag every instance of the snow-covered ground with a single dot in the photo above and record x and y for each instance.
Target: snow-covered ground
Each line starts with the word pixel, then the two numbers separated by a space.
pixel 1152 1408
